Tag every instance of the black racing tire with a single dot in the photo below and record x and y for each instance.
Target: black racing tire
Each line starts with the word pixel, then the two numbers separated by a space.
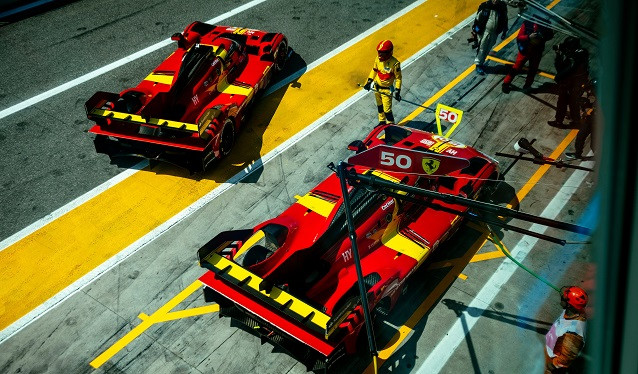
pixel 227 139
pixel 281 56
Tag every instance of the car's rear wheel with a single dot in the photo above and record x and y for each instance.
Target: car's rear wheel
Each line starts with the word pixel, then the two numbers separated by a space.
pixel 227 138
pixel 281 56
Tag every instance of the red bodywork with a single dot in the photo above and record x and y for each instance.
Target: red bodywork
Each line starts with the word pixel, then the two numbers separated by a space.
pixel 292 278
pixel 189 109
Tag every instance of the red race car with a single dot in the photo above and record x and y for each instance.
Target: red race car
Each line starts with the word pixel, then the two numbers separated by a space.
pixel 190 108
pixel 292 278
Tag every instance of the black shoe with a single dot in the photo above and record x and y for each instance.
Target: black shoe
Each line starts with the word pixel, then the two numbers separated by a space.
pixel 506 87
pixel 556 124
pixel 572 156
pixel 479 70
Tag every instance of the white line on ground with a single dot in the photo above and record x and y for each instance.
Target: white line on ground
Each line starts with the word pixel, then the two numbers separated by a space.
pixel 137 245
pixel 439 356
pixel 110 183
pixel 105 69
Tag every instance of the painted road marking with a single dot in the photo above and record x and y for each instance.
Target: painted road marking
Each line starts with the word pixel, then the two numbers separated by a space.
pixel 131 202
pixel 114 65
pixel 275 87
pixel 459 264
pixel 163 314
pixel 439 356
pixel 507 62
pixel 404 331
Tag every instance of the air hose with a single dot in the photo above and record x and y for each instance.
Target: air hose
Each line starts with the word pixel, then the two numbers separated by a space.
pixel 497 242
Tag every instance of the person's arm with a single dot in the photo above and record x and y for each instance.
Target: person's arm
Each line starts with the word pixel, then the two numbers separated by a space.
pixel 476 26
pixel 373 72
pixel 566 69
pixel 522 36
pixel 398 77
pixel 504 20
pixel 570 348
pixel 371 76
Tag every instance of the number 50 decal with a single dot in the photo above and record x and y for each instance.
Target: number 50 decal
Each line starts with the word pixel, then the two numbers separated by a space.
pixel 401 161
pixel 448 114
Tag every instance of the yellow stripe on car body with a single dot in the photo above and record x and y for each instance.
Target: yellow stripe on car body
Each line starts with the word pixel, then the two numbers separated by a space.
pixel 160 78
pixel 317 205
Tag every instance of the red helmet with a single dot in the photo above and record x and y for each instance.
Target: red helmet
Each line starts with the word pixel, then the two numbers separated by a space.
pixel 575 297
pixel 384 50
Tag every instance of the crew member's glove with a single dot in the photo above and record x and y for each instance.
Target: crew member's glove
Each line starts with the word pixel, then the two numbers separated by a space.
pixel 397 95
pixel 367 85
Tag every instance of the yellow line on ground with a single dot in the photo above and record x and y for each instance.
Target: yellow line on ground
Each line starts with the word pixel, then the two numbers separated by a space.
pixel 506 62
pixel 405 331
pixel 438 95
pixel 463 276
pixel 45 262
pixel 163 314
pixel 520 195
pixel 459 264
pixel 487 256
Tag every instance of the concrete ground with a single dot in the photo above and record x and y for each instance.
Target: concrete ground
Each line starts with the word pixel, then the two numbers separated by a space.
pixel 500 321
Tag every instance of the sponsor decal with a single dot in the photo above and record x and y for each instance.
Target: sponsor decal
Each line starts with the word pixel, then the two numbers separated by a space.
pixel 387 205
pixel 347 255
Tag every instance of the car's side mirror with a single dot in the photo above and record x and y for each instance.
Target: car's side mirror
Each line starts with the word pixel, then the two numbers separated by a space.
pixel 179 38
pixel 357 146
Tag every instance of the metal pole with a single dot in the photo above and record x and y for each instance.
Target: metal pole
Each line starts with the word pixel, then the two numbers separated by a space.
pixel 341 172
pixel 407 101
pixel 373 180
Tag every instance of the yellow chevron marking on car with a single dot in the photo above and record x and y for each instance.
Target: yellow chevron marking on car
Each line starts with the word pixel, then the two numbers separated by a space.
pixel 160 78
pixel 250 242
pixel 317 205
pixel 394 240
pixel 240 31
pixel 173 124
pixel 277 295
pixel 139 119
pixel 231 89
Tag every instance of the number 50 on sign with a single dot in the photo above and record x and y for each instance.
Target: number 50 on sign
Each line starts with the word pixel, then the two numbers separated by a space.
pixel 448 114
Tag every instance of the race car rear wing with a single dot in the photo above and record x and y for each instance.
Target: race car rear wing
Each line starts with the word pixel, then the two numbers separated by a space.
pixel 97 111
pixel 211 257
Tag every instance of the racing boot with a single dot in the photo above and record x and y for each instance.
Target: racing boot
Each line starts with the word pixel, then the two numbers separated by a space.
pixel 389 117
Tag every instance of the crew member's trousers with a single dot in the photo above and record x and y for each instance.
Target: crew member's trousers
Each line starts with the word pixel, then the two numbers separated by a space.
pixel 383 97
pixel 534 60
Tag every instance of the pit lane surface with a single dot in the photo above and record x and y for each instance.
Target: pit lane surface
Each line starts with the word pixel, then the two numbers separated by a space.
pixel 105 310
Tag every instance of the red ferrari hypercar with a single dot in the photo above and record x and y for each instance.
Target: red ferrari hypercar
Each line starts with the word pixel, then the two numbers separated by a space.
pixel 189 109
pixel 292 278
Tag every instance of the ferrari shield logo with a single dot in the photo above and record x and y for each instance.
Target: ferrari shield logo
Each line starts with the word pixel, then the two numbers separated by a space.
pixel 430 165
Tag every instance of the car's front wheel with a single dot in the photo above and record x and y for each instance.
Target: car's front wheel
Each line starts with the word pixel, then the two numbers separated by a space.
pixel 281 56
